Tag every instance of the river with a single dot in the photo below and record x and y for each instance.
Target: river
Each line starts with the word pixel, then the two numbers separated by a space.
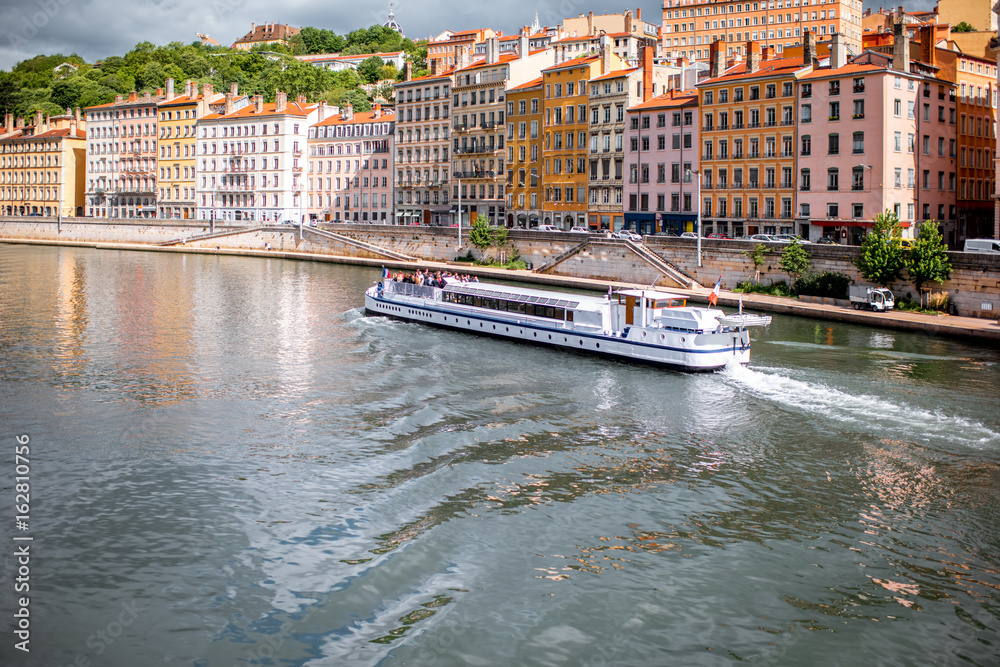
pixel 231 465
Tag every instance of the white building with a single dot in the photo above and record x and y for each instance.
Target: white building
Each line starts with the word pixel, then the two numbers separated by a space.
pixel 251 161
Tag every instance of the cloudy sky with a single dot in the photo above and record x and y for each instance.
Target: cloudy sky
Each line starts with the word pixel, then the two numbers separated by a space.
pixel 98 28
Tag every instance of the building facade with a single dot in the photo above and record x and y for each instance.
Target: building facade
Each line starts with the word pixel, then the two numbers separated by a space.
pixel 178 118
pixel 122 152
pixel 524 149
pixel 422 148
pixel 663 135
pixel 42 167
pixel 251 161
pixel 690 27
pixel 351 166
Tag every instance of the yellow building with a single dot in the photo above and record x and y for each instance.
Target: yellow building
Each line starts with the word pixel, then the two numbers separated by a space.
pixel 565 131
pixel 42 167
pixel 524 150
pixel 178 116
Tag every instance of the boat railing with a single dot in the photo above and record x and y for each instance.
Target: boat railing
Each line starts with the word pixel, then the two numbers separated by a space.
pixel 411 289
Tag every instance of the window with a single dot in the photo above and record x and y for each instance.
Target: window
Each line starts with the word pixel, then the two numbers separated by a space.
pixel 834 110
pixel 832 210
pixel 806 114
pixel 806 144
pixel 898 178
pixel 834 143
pixel 897 107
pixel 806 181
pixel 858 211
pixel 857 178
pixel 859 143
pixel 832 179
pixel 859 85
pixel 859 109
pixel 897 142
pixel 835 87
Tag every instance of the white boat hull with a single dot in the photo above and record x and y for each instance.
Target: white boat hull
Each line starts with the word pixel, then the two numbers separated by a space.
pixel 683 351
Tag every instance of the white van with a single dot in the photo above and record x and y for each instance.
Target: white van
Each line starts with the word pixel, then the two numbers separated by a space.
pixel 982 245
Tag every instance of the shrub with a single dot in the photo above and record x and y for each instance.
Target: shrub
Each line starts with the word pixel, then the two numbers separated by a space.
pixel 774 289
pixel 827 284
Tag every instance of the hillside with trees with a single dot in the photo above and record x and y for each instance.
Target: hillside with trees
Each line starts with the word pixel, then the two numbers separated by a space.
pixel 36 84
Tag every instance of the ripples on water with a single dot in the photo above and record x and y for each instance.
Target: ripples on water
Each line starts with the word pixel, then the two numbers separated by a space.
pixel 272 478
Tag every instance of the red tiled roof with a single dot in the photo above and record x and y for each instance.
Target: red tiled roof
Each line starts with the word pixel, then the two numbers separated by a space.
pixel 576 62
pixel 682 98
pixel 848 69
pixel 293 109
pixel 767 68
pixel 427 77
pixel 524 86
pixel 365 117
pixel 615 74
pixel 184 99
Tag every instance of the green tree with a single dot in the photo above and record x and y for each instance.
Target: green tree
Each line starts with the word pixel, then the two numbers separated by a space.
pixel 794 260
pixel 928 257
pixel 358 100
pixel 756 257
pixel 881 257
pixel 370 69
pixel 480 234
pixel 962 26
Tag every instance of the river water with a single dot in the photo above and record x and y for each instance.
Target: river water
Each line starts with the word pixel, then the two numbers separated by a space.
pixel 231 465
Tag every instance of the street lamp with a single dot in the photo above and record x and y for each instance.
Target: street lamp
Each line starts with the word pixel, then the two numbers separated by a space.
pixel 697 206
pixel 459 182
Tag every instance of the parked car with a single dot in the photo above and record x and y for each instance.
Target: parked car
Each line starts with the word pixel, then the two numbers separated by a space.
pixel 628 235
pixel 720 235
pixel 547 228
pixel 689 235
pixel 579 230
pixel 981 245
pixel 827 240
pixel 906 243
pixel 788 238
pixel 767 238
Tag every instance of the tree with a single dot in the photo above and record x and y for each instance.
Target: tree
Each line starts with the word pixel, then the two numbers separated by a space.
pixel 756 257
pixel 881 258
pixel 370 69
pixel 928 257
pixel 962 27
pixel 480 234
pixel 794 260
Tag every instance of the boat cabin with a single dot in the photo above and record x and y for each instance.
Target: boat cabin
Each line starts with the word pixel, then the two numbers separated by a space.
pixel 649 308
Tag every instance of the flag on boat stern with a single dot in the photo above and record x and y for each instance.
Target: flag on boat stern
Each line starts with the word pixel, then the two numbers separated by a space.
pixel 385 273
pixel 741 303
pixel 713 298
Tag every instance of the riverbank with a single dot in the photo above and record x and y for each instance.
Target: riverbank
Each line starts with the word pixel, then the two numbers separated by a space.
pixel 942 325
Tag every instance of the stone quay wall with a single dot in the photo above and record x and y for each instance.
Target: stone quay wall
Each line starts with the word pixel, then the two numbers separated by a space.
pixel 974 287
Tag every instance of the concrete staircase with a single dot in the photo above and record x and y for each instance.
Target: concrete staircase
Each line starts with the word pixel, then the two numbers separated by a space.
pixel 645 254
pixel 374 249
pixel 214 235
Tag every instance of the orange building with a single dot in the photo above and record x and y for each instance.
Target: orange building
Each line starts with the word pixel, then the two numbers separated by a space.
pixel 524 149
pixel 691 26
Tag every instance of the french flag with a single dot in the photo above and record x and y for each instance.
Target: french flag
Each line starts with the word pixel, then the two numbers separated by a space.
pixel 713 298
pixel 385 273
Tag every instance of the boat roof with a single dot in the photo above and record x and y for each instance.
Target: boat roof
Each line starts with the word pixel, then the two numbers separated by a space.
pixel 650 294
pixel 527 295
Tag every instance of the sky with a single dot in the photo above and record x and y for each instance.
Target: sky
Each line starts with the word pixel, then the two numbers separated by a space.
pixel 95 29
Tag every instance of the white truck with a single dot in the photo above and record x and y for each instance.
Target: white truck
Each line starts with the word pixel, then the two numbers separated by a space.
pixel 872 298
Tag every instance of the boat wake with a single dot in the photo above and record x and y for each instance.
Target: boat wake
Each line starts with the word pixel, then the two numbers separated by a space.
pixel 887 418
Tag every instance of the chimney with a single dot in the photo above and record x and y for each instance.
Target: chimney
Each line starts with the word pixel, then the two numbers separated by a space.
pixel 590 23
pixel 928 51
pixel 300 100
pixel 838 51
pixel 522 46
pixel 230 103
pixel 638 13
pixel 280 102
pixel 716 59
pixel 809 47
pixel 258 104
pixel 8 122
pixel 170 90
pixel 207 92
pixel 39 122
pixel 76 114
pixel 434 66
pixel 119 99
pixel 647 73
pixel 767 53
pixel 348 112
pixel 234 89
pixel 492 50
pixel 159 92
pixel 900 48
pixel 321 111
pixel 628 21
pixel 253 26
pixel 753 56
pixel 407 71
pixel 376 110
pixel 605 51
pixel 133 96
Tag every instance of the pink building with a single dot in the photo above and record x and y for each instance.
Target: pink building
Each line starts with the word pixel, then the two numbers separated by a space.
pixel 350 167
pixel 875 133
pixel 663 135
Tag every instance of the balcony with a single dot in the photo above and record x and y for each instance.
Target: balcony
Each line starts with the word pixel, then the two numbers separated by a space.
pixel 770 123
pixel 467 150
pixel 737 126
pixel 460 127
pixel 474 174
pixel 787 185
pixel 787 121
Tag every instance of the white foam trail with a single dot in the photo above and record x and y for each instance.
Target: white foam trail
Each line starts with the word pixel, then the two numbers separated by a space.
pixel 885 418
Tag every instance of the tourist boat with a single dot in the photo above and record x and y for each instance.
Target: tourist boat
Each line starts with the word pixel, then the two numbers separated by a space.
pixel 637 325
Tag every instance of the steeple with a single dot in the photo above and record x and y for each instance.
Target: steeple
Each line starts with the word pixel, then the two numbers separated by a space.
pixel 535 26
pixel 391 23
